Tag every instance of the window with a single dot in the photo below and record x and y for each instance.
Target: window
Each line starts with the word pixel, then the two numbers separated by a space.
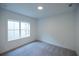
pixel 17 30
pixel 25 29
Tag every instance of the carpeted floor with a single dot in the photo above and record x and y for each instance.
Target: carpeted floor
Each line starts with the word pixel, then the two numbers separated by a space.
pixel 40 49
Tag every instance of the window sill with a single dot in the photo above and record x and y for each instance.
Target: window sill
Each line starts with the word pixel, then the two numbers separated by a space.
pixel 19 38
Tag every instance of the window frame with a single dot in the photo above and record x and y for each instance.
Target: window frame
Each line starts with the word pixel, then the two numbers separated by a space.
pixel 19 30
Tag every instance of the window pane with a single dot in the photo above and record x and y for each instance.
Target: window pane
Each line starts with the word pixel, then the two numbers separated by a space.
pixel 13 25
pixel 23 33
pixel 16 32
pixel 25 29
pixel 13 30
pixel 16 25
pixel 11 35
pixel 10 25
pixel 23 25
pixel 29 27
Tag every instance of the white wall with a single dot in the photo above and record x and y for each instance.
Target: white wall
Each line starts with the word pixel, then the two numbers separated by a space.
pixel 77 31
pixel 58 30
pixel 6 45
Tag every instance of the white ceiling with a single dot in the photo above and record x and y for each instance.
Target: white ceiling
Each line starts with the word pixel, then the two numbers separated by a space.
pixel 30 9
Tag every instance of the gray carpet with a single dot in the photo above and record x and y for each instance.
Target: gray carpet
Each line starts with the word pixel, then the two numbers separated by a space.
pixel 40 49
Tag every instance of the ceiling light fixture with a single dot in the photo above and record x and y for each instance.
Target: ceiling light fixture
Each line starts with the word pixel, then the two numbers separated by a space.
pixel 40 8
